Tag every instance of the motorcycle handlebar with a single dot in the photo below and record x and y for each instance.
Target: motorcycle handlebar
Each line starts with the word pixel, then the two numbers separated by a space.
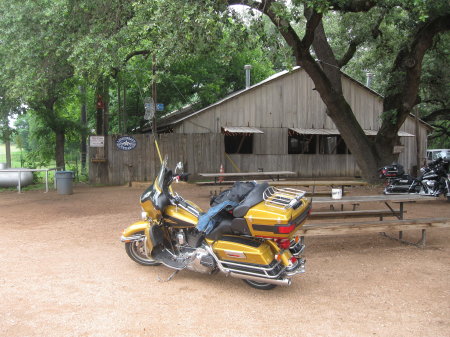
pixel 182 176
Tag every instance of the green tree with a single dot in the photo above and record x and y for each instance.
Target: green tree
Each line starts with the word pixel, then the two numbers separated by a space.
pixel 35 48
pixel 417 23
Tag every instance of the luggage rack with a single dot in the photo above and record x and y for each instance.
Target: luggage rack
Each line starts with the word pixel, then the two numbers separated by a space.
pixel 282 198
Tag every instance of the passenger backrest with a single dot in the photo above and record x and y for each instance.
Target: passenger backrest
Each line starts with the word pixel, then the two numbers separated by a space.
pixel 254 197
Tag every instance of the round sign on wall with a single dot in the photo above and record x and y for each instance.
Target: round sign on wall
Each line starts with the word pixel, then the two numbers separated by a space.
pixel 126 143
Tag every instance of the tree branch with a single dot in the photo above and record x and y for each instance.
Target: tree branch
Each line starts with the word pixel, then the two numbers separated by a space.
pixel 145 52
pixel 445 113
pixel 116 70
pixel 349 53
pixel 358 40
pixel 313 20
pixel 353 5
pixel 409 61
pixel 440 130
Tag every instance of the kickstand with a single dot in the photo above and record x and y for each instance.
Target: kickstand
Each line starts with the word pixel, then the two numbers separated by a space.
pixel 170 277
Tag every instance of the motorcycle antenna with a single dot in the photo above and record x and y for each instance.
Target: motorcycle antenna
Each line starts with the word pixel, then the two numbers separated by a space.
pixel 314 187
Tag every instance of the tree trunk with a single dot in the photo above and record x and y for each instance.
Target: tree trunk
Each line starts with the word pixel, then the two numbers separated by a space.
pixel 119 104
pixel 8 150
pixel 106 84
pixel 99 105
pixel 59 149
pixel 330 90
pixel 83 119
pixel 124 110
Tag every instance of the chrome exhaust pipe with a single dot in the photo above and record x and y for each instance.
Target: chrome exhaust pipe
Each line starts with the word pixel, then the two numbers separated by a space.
pixel 282 282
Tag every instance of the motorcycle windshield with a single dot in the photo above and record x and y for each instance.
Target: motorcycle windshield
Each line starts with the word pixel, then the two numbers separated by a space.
pixel 159 181
pixel 157 192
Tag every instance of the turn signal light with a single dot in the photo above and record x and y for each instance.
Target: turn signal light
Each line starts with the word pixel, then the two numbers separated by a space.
pixel 284 244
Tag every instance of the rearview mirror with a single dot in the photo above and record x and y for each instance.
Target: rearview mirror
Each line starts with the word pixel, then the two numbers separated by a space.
pixel 179 167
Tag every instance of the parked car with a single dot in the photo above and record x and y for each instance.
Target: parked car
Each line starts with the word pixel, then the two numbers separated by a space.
pixel 433 154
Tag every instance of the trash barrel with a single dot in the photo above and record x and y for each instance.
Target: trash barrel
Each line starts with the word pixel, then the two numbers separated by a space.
pixel 64 181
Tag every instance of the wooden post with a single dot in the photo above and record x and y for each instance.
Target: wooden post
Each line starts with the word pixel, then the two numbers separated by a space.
pixel 416 114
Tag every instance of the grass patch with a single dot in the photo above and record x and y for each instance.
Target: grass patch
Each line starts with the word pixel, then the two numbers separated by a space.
pixel 32 187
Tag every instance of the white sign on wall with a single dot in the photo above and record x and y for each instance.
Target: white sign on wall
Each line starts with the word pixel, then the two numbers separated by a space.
pixel 97 141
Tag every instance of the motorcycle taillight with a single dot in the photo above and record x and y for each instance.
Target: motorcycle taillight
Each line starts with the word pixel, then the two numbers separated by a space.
pixel 283 243
pixel 284 229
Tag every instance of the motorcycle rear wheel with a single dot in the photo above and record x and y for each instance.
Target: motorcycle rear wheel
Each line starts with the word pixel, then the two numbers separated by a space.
pixel 135 250
pixel 260 285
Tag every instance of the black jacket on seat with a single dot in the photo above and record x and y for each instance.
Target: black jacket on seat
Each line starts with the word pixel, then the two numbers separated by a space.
pixel 254 197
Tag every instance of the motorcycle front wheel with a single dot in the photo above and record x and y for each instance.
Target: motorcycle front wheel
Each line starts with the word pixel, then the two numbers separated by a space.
pixel 136 252
pixel 260 285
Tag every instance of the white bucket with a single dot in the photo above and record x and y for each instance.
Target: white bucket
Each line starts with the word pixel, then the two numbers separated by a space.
pixel 336 193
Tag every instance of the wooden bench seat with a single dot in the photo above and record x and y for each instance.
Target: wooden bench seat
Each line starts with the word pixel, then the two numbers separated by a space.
pixel 356 214
pixel 363 227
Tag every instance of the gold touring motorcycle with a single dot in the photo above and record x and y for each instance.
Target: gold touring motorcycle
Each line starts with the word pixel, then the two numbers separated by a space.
pixel 249 235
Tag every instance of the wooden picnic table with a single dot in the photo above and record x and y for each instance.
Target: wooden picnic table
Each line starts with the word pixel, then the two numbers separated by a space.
pixel 272 175
pixel 348 227
pixel 341 183
pixel 388 200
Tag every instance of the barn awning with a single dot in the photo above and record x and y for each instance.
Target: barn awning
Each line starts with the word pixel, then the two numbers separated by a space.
pixel 400 133
pixel 314 131
pixel 245 130
pixel 334 132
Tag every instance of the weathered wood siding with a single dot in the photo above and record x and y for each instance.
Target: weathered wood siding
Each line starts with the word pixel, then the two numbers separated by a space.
pixel 291 101
pixel 287 101
pixel 408 157
pixel 198 152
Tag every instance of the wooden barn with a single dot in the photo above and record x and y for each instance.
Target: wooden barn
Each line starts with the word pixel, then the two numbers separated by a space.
pixel 281 124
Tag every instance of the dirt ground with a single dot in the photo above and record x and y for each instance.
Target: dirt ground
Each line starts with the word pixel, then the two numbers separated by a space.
pixel 64 272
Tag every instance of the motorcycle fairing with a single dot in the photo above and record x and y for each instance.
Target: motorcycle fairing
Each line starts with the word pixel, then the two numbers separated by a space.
pixel 179 217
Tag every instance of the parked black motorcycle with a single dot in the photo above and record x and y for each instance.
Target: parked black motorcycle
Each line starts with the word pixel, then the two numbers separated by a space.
pixel 432 181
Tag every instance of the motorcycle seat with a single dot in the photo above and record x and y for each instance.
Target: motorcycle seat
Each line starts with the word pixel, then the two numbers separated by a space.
pixel 229 225
pixel 254 197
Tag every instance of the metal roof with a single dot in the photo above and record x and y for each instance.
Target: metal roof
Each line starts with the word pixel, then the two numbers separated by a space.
pixel 315 131
pixel 240 129
pixel 301 131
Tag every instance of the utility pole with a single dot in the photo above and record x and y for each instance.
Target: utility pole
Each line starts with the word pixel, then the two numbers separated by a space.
pixel 154 94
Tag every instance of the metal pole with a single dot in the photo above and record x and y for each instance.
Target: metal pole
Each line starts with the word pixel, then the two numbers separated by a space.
pixel 154 95
pixel 46 181
pixel 20 178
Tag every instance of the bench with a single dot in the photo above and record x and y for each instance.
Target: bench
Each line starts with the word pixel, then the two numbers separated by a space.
pixel 381 213
pixel 314 183
pixel 339 228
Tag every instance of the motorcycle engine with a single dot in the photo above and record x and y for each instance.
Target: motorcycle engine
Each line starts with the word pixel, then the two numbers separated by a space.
pixel 197 257
pixel 431 184
pixel 202 262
